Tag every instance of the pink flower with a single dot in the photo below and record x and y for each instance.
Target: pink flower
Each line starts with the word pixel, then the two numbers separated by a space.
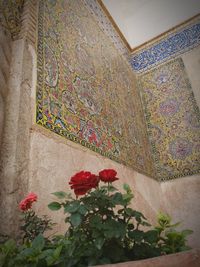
pixel 26 203
pixel 108 176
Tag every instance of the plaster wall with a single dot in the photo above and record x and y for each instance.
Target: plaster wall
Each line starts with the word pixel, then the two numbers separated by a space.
pixel 54 160
pixel 140 21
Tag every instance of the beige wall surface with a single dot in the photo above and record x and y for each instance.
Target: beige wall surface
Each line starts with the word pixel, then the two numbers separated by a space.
pixel 157 16
pixel 54 161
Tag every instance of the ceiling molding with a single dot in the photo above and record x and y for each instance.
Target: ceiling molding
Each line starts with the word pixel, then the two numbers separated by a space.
pixel 100 2
pixel 155 39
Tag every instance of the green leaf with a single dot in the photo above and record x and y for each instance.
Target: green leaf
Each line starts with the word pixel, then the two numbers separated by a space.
pixel 82 210
pixel 175 224
pixel 186 232
pixel 28 253
pixel 164 220
pixel 136 235
pixel 54 206
pixel 112 188
pixel 145 223
pixel 126 187
pixel 2 260
pixel 72 206
pixel 151 236
pixel 114 228
pixel 9 246
pixel 99 242
pixel 46 253
pixel 38 242
pixel 96 221
pixel 138 216
pixel 60 194
pixel 76 219
pixel 56 253
pixel 129 211
pixel 117 199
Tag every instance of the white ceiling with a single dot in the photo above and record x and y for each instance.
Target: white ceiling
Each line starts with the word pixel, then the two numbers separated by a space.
pixel 141 20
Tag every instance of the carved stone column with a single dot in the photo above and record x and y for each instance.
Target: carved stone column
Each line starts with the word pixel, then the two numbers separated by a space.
pixel 14 157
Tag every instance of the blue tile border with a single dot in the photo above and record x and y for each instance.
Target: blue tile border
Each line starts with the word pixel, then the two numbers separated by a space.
pixel 173 44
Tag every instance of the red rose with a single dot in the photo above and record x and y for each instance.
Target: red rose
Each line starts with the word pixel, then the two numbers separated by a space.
pixel 108 175
pixel 83 181
pixel 26 203
pixel 32 197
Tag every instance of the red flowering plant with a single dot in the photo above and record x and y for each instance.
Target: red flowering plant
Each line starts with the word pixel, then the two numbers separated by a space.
pixel 103 228
pixel 32 225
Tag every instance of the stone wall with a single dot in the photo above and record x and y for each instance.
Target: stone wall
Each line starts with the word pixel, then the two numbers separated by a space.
pixel 14 156
pixel 5 57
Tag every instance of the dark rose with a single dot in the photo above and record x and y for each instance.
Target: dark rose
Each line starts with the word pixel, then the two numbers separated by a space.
pixel 108 175
pixel 83 181
pixel 26 203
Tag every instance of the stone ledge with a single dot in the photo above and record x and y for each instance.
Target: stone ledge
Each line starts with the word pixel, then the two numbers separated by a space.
pixel 183 259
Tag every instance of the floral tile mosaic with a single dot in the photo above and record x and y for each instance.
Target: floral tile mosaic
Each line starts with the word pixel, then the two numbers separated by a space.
pixel 173 120
pixel 106 26
pixel 86 90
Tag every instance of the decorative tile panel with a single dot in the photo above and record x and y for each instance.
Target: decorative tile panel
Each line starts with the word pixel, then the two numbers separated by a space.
pixel 85 89
pixel 106 26
pixel 173 120
pixel 173 44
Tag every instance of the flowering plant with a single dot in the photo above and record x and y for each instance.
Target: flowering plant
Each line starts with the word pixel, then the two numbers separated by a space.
pixel 102 228
pixel 27 202
pixel 32 225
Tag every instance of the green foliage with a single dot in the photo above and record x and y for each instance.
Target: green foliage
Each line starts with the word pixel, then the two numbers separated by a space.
pixel 8 251
pixel 170 240
pixel 102 229
pixel 32 225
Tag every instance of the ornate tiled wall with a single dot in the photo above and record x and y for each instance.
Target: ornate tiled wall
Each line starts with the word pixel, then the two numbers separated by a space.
pixel 171 111
pixel 173 120
pixel 86 89
pixel 104 23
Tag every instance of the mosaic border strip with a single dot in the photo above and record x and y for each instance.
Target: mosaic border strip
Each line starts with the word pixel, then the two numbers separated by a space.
pixel 174 44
